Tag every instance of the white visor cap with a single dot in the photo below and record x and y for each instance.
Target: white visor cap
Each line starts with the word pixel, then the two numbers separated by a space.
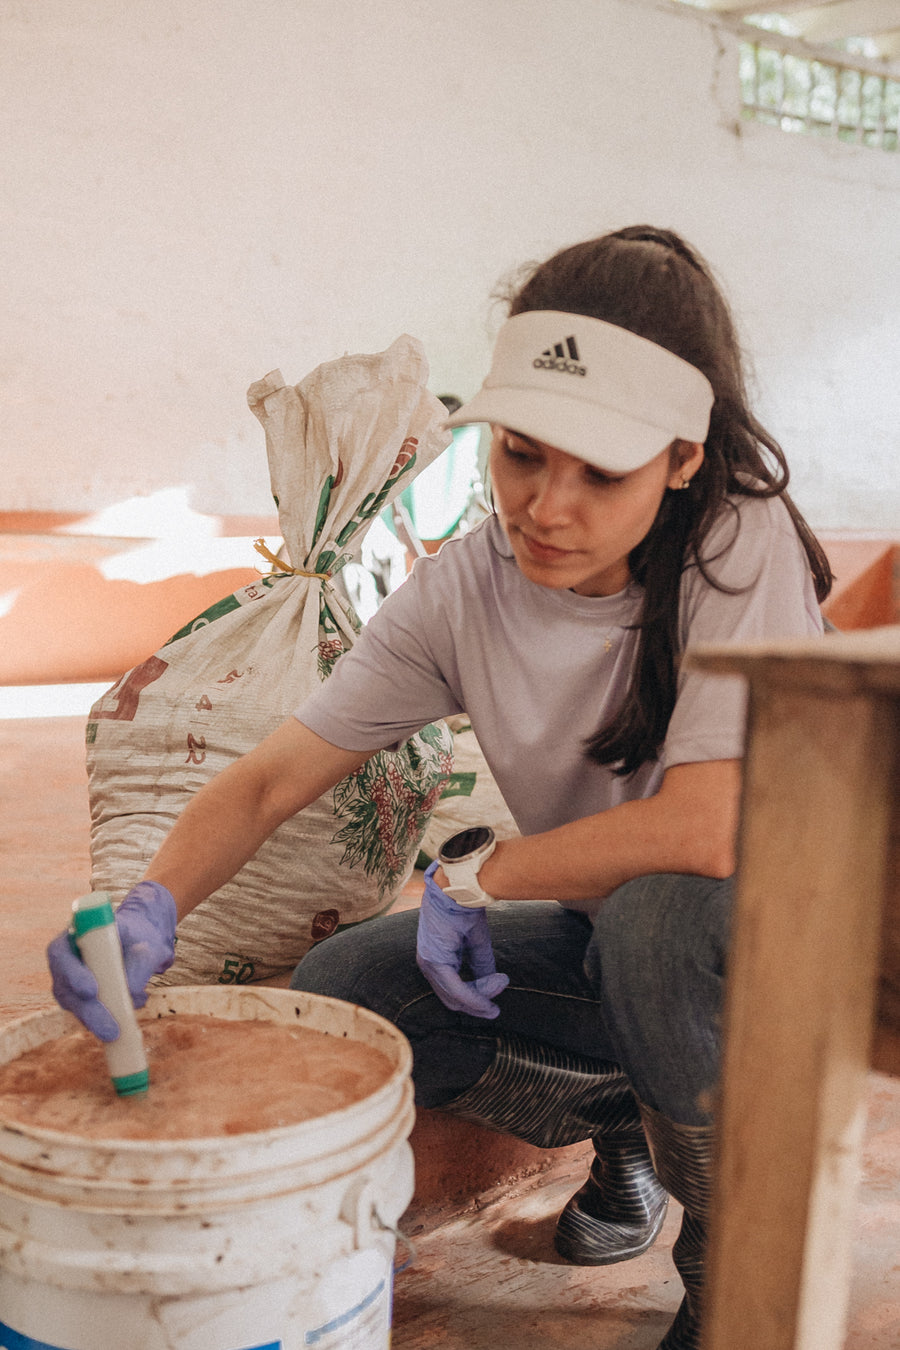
pixel 590 388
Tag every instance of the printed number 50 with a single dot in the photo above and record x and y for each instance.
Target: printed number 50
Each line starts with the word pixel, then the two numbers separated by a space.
pixel 236 970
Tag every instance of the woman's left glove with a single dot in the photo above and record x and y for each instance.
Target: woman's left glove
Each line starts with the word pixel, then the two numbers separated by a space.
pixel 448 935
pixel 145 922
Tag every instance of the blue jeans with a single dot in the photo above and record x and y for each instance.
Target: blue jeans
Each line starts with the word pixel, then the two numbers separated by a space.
pixel 640 984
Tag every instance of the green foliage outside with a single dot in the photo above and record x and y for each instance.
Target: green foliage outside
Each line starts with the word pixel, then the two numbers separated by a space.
pixel 800 94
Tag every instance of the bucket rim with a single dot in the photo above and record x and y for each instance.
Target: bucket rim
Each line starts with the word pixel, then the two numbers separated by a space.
pixel 214 1143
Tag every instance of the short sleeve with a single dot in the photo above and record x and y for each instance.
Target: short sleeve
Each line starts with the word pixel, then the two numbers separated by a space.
pixel 755 556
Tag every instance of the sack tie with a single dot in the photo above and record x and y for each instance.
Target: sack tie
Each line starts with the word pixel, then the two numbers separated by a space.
pixel 280 568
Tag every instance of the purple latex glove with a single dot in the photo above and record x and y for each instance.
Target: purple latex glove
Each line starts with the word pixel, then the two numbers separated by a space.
pixel 449 934
pixel 145 921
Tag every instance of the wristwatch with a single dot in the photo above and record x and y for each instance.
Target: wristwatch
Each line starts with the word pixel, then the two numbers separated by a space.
pixel 461 856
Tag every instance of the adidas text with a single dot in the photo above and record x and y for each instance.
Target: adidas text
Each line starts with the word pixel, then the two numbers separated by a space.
pixel 558 363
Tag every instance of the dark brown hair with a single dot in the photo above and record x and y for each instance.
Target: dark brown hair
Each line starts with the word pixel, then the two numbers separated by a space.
pixel 651 282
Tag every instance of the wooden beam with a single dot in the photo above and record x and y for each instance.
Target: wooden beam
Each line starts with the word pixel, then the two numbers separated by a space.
pixel 799 1017
pixel 741 8
pixel 817 918
pixel 846 18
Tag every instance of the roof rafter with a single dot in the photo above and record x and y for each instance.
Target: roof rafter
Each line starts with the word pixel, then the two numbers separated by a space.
pixel 826 21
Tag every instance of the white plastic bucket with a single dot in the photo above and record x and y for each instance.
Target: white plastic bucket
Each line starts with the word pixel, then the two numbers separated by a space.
pixel 273 1240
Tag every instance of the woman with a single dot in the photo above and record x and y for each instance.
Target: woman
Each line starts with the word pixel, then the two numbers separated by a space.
pixel 565 984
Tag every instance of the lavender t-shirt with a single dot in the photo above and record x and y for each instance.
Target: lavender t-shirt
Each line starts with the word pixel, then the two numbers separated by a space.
pixel 538 671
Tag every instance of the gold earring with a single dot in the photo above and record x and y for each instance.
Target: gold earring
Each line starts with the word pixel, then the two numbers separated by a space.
pixel 685 483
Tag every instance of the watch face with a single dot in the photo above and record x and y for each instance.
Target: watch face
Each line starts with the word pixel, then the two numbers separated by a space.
pixel 467 841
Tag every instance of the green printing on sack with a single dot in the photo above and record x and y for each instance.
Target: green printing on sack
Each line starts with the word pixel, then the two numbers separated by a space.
pixel 220 609
pixel 368 510
pixel 322 512
pixel 459 785
pixel 387 804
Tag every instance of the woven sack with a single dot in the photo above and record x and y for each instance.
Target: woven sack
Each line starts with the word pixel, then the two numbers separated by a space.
pixel 341 445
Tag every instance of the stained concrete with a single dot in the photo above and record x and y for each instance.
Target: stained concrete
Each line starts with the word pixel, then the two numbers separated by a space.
pixel 485 1276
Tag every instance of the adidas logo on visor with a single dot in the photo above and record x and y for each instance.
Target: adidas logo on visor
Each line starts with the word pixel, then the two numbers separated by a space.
pixel 561 356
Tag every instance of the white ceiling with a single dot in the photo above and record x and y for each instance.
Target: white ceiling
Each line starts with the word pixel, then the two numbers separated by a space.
pixel 829 20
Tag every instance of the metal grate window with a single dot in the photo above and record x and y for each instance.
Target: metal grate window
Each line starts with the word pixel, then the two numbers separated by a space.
pixel 845 90
pixel 821 97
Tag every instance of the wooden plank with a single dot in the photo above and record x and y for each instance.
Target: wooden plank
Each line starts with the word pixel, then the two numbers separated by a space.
pixel 863 594
pixel 843 662
pixel 799 1017
pixel 841 665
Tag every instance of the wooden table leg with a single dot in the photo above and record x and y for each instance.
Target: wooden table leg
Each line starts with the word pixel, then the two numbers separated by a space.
pixel 799 1015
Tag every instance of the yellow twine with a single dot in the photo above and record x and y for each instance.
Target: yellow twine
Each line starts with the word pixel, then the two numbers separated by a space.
pixel 279 567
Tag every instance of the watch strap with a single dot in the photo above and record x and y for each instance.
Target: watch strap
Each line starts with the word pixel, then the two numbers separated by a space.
pixel 464 886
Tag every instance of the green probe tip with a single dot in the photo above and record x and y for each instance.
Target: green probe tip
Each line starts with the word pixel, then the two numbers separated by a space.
pixel 132 1084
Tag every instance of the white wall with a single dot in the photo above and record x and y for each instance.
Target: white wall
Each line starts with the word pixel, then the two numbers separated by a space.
pixel 197 191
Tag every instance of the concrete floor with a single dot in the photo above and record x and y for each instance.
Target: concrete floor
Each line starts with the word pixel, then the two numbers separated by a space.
pixel 485 1277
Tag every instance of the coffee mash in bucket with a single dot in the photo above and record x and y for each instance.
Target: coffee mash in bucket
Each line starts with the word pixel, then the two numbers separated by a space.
pixel 209 1079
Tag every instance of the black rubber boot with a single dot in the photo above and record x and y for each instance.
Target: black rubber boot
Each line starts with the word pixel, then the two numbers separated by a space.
pixel 682 1155
pixel 551 1098
pixel 620 1209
